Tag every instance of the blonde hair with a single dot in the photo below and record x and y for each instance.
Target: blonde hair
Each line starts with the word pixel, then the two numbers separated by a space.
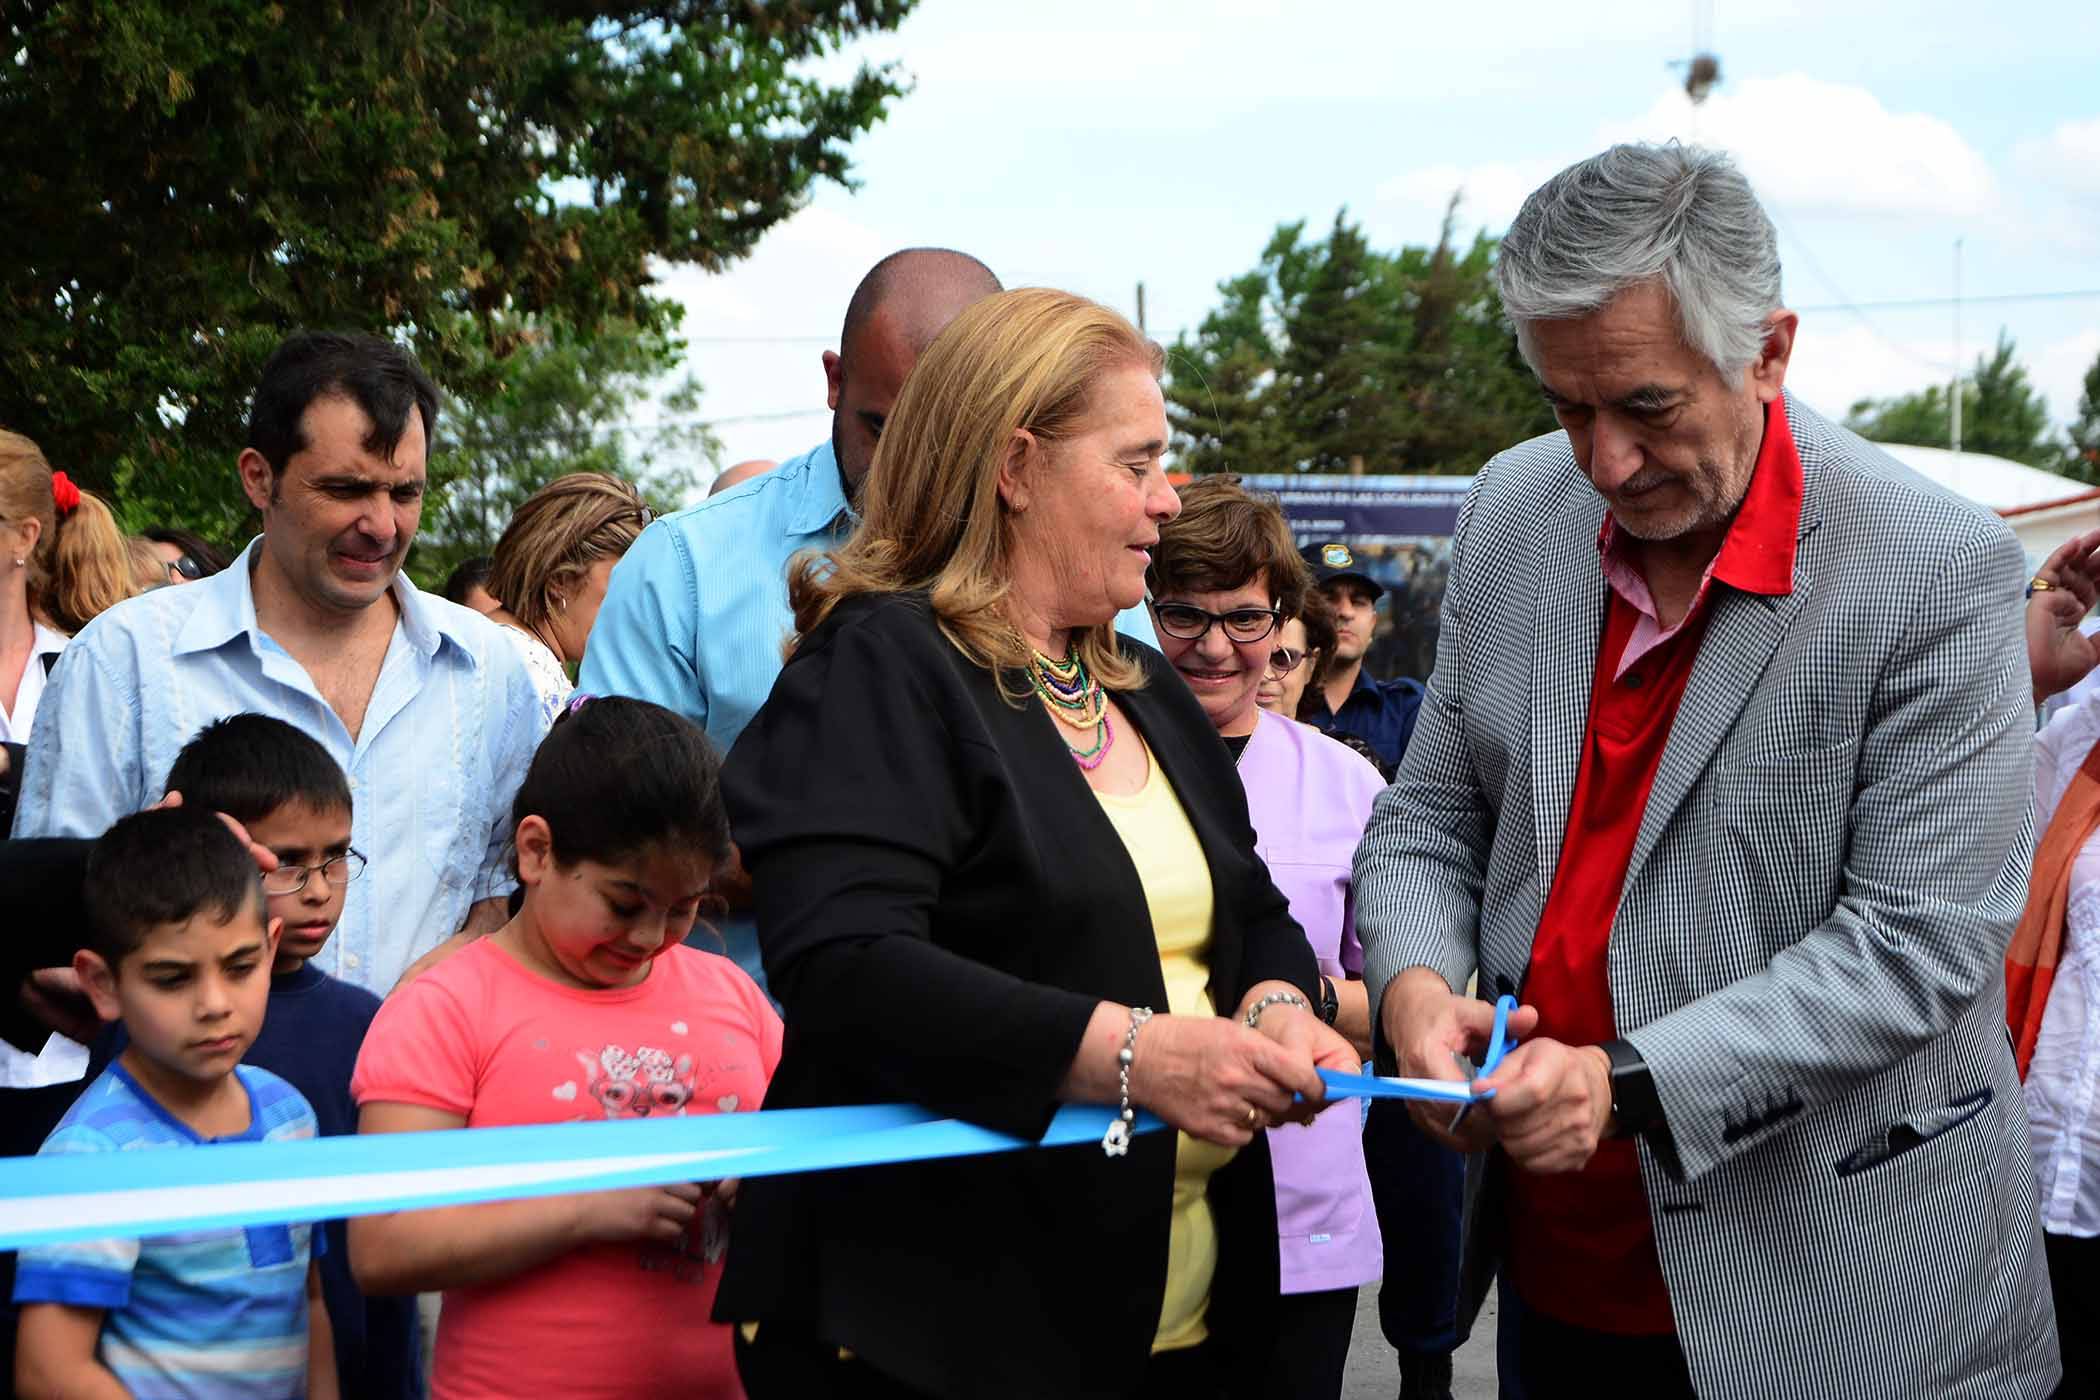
pixel 557 534
pixel 81 565
pixel 931 517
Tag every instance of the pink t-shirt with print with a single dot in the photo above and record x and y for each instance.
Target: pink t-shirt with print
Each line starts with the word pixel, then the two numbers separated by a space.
pixel 481 1036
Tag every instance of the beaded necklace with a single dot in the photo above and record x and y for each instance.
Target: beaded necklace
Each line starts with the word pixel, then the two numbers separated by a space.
pixel 1076 698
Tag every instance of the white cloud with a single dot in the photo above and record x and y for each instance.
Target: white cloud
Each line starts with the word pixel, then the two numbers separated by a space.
pixel 746 330
pixel 2069 157
pixel 1490 193
pixel 2058 370
pixel 1837 362
pixel 1814 146
pixel 1809 146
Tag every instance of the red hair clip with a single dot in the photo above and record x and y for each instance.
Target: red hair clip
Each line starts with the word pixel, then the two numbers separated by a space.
pixel 64 494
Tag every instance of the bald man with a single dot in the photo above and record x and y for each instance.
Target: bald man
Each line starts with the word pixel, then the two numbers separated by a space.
pixel 740 473
pixel 697 611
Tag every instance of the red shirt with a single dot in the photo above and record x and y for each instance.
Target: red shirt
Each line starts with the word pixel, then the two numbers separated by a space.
pixel 1580 1245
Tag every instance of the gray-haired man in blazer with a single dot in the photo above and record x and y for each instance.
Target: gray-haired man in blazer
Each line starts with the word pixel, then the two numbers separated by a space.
pixel 1725 769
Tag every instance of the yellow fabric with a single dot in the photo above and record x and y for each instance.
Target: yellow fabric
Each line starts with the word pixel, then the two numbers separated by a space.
pixel 1176 877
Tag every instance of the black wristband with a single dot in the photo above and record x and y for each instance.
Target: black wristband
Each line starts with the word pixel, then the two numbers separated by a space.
pixel 1330 1004
pixel 1634 1106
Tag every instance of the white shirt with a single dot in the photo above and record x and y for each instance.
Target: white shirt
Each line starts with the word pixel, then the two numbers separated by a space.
pixel 62 1060
pixel 15 723
pixel 2063 1080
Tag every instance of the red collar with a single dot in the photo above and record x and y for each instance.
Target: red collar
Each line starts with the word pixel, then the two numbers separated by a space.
pixel 1757 554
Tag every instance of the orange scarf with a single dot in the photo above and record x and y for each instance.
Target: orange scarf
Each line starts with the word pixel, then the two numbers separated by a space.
pixel 2030 961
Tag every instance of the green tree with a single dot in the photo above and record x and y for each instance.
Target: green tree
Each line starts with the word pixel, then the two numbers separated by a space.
pixel 1331 355
pixel 566 403
pixel 2081 459
pixel 2001 414
pixel 188 180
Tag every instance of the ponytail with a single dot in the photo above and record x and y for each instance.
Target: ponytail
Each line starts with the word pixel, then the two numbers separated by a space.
pixel 89 561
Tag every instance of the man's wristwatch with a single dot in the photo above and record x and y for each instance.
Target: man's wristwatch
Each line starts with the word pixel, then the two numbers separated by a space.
pixel 1330 1004
pixel 1634 1107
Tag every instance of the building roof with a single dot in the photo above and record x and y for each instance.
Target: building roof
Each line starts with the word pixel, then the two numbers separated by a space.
pixel 1997 482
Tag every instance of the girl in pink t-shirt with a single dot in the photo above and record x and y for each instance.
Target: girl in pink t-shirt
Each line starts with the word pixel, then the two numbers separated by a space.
pixel 585 1006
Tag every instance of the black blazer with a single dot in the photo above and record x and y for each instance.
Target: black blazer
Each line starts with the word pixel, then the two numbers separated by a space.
pixel 942 903
pixel 43 920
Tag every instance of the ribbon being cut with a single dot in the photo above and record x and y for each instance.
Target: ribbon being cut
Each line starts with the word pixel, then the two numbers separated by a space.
pixel 47 1200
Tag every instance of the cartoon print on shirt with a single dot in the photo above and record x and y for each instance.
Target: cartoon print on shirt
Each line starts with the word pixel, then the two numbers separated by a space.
pixel 639 1085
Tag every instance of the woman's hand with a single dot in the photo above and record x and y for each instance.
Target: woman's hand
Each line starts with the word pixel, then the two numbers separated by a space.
pixel 2058 654
pixel 1216 1080
pixel 1302 1033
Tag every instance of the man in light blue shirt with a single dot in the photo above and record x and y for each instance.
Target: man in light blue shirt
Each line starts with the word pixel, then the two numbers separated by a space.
pixel 697 613
pixel 425 706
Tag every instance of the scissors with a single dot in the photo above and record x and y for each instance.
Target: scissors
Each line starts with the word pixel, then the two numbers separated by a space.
pixel 1499 1046
pixel 1365 1086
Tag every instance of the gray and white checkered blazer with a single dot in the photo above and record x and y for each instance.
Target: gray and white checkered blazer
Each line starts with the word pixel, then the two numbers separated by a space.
pixel 1809 948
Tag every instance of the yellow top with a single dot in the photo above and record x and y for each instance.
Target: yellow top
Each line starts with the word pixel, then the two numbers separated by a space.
pixel 1176 877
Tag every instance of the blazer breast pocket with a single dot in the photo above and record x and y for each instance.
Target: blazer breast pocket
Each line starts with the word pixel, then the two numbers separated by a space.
pixel 1780 826
pixel 1909 1134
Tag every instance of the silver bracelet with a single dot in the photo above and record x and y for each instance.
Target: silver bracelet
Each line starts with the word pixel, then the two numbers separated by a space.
pixel 1273 999
pixel 1116 1141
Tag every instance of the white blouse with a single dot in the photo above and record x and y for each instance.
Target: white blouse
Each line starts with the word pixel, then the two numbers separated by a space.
pixel 549 677
pixel 15 723
pixel 2063 1080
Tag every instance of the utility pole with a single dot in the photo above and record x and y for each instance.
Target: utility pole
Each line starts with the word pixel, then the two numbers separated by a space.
pixel 1954 407
pixel 1141 308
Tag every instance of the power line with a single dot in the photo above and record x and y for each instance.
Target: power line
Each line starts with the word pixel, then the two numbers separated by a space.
pixel 1926 302
pixel 1902 304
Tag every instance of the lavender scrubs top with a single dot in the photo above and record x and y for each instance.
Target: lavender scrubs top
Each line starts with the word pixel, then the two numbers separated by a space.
pixel 1310 798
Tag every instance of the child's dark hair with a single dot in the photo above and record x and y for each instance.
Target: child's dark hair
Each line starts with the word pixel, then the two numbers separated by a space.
pixel 165 867
pixel 248 766
pixel 616 777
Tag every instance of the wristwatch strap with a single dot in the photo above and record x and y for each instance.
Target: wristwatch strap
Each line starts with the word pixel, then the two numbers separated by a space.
pixel 1634 1106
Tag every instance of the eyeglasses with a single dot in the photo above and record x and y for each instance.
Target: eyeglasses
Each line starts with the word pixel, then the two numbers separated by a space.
pixel 337 870
pixel 1191 624
pixel 183 567
pixel 1285 660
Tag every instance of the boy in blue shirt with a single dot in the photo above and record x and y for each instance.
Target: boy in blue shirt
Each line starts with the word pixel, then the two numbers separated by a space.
pixel 180 952
pixel 294 800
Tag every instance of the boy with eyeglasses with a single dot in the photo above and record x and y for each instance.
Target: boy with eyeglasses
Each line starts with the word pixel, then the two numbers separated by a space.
pixel 294 800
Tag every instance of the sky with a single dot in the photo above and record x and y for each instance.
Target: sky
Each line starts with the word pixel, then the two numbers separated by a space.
pixel 1095 146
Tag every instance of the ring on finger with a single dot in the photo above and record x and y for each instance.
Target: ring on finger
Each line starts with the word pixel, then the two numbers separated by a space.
pixel 1253 1116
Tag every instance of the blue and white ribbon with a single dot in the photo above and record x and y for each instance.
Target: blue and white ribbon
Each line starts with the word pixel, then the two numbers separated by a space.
pixel 49 1200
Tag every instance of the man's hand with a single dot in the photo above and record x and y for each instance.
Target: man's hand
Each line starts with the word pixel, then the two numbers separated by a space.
pixel 1552 1104
pixel 54 996
pixel 2058 654
pixel 265 859
pixel 732 883
pixel 1430 1028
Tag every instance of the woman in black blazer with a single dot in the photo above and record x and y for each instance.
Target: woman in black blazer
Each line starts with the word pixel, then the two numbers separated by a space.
pixel 938 806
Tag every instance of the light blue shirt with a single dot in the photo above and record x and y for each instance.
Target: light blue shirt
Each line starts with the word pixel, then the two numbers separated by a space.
pixel 217 1312
pixel 450 727
pixel 697 612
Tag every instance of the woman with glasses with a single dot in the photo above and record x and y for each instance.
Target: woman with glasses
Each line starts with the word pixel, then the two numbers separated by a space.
pixel 550 570
pixel 184 557
pixel 1001 864
pixel 1223 579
